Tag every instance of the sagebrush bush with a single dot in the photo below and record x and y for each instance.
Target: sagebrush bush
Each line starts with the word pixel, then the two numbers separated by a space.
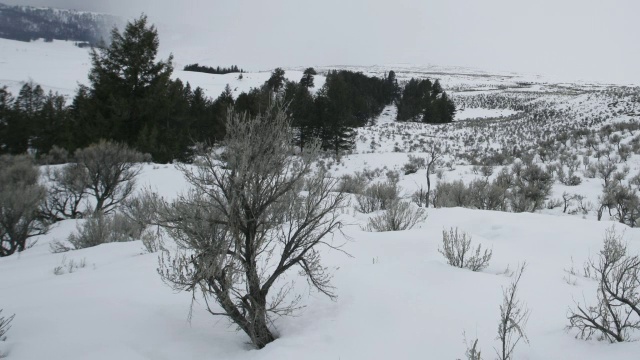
pixel 457 249
pixel 21 199
pixel 399 216
pixel 111 170
pixel 377 196
pixel 101 228
pixel 353 184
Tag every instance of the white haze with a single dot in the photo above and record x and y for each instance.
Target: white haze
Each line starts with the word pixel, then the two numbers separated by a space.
pixel 569 39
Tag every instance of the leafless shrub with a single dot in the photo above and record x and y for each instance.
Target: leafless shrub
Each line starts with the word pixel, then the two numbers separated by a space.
pixel 473 351
pixel 21 198
pixel 419 197
pixel 110 171
pixel 531 186
pixel 67 192
pixel 353 184
pixel 617 311
pixel 457 249
pixel 98 229
pixel 414 164
pixel 5 325
pixel 399 216
pixel 377 197
pixel 69 266
pixel 514 315
pixel 246 222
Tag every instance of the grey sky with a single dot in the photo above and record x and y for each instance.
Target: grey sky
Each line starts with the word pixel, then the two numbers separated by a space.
pixel 581 39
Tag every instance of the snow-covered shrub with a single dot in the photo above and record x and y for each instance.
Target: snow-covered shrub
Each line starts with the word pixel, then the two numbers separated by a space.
pixel 514 315
pixel 457 249
pixel 531 187
pixel 377 196
pixel 67 193
pixel 451 194
pixel 420 197
pixel 414 164
pixel 399 216
pixel 111 170
pixel 353 184
pixel 21 198
pixel 617 312
pixel 101 228
pixel 5 325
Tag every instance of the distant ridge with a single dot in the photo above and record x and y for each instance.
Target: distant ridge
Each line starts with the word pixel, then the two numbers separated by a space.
pixel 26 23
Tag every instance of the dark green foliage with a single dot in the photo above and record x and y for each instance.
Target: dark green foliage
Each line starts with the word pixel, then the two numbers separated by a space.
pixel 307 77
pixel 276 81
pixel 211 70
pixel 131 99
pixel 423 101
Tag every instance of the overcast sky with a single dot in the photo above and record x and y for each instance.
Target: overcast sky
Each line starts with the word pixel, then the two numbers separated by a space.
pixel 579 39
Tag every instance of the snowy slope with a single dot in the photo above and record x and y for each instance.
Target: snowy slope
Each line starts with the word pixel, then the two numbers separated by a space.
pixel 397 296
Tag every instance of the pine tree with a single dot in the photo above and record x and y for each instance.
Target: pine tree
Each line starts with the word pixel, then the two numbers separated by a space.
pixel 276 81
pixel 307 77
pixel 125 81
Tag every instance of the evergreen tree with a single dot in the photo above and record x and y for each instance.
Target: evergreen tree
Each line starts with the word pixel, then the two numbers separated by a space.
pixel 125 81
pixel 276 81
pixel 307 77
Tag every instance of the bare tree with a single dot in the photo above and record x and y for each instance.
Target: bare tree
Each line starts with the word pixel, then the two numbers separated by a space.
pixel 20 199
pixel 618 298
pixel 255 211
pixel 110 171
pixel 514 315
pixel 433 159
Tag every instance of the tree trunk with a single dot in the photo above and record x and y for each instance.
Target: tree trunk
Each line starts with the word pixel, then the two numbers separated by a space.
pixel 261 334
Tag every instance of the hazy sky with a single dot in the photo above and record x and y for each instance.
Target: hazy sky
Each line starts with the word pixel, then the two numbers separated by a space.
pixel 580 39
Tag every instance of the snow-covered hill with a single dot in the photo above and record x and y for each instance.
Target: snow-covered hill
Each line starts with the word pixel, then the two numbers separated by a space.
pixel 397 297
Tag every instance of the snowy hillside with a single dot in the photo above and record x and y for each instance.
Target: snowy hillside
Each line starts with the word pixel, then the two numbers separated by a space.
pixel 397 296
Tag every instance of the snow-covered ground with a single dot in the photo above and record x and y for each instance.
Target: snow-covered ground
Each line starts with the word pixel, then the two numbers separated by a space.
pixel 479 113
pixel 397 297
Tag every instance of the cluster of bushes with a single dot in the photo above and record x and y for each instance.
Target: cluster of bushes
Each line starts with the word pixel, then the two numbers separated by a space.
pixel 97 181
pixel 519 189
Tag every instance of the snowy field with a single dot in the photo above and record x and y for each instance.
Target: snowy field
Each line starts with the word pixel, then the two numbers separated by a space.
pixel 397 297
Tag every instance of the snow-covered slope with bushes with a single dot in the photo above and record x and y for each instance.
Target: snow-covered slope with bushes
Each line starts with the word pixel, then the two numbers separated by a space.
pixel 397 296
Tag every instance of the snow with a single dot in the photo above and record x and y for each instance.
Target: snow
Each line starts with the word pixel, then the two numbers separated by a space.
pixel 480 113
pixel 397 297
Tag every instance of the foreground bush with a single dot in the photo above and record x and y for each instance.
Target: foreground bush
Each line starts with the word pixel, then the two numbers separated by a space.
pixel 457 249
pixel 617 311
pixel 247 222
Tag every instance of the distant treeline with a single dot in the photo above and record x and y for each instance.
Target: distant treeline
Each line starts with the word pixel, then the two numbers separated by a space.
pixel 166 118
pixel 211 70
pixel 25 23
